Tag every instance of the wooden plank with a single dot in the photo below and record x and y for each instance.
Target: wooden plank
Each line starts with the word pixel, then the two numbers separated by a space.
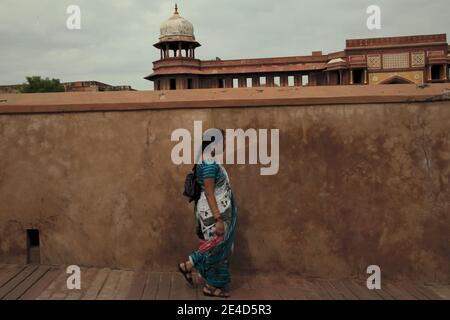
pixel 360 290
pixel 41 285
pixel 310 290
pixel 9 272
pixel 124 285
pixel 301 288
pixel 322 294
pixel 332 291
pixel 198 280
pixel 426 290
pixel 26 284
pixel 199 283
pixel 397 292
pixel 151 286
pixel 411 289
pixel 11 284
pixel 87 276
pixel 249 294
pixel 181 290
pixel 385 295
pixel 165 284
pixel 108 290
pixel 55 290
pixel 96 285
pixel 259 281
pixel 345 292
pixel 442 291
pixel 137 286
pixel 379 293
pixel 60 290
pixel 288 293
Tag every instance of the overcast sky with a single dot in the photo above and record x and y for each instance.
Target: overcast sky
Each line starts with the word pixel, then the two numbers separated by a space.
pixel 115 42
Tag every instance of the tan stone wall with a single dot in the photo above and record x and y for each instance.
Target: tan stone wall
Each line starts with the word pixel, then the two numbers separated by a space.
pixel 357 185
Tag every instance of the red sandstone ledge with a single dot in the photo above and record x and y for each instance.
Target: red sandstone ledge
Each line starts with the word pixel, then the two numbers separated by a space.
pixel 220 98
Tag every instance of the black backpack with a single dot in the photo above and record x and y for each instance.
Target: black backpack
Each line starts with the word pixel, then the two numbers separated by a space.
pixel 192 188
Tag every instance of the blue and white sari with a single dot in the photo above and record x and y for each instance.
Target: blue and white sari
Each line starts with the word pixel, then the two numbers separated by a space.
pixel 213 256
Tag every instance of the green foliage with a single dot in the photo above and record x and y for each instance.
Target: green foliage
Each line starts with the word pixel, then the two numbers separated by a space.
pixel 36 84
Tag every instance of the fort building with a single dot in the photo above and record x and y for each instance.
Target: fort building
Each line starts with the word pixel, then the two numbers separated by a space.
pixel 418 59
pixel 74 86
pixel 92 86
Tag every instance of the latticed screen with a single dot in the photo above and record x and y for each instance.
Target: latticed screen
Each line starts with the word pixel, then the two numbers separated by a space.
pixel 396 60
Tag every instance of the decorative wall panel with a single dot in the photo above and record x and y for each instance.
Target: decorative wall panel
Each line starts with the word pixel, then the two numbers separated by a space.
pixel 418 59
pixel 374 61
pixel 396 60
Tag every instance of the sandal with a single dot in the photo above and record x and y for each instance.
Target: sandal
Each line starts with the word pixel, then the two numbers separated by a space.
pixel 186 274
pixel 211 291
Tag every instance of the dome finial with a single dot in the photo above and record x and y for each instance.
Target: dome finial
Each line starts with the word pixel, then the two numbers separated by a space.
pixel 176 9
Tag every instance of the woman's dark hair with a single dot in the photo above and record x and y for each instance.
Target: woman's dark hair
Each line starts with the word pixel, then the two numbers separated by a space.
pixel 206 143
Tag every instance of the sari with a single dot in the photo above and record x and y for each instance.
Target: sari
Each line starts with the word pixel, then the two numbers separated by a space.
pixel 212 258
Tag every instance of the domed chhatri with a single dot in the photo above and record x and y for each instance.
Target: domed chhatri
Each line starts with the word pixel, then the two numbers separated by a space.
pixel 177 26
pixel 176 39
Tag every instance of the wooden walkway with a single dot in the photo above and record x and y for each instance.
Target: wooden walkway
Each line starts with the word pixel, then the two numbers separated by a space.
pixel 49 282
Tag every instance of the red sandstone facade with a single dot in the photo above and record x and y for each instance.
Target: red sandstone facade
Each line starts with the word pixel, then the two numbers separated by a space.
pixel 410 59
pixel 92 86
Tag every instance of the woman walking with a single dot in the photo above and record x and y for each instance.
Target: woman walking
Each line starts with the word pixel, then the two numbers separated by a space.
pixel 215 213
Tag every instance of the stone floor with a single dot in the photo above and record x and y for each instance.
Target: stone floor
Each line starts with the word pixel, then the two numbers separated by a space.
pixel 49 282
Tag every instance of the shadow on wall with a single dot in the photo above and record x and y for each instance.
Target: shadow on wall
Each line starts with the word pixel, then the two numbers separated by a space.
pixel 241 260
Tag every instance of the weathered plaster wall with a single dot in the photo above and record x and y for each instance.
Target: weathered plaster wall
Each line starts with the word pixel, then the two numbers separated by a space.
pixel 358 185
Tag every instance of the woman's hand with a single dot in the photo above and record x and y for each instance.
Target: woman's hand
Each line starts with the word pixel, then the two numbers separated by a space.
pixel 220 227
